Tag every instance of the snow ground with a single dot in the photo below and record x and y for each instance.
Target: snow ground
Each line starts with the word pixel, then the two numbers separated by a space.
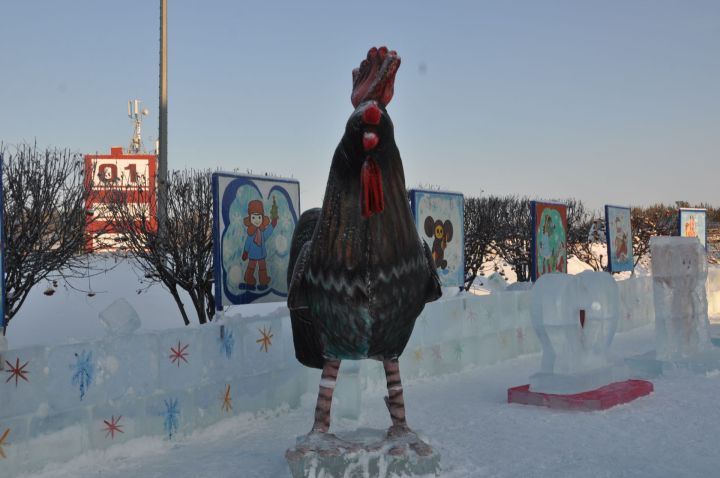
pixel 671 433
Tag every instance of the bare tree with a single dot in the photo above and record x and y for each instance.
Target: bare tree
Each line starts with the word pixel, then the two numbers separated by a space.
pixel 45 219
pixel 484 221
pixel 656 220
pixel 513 242
pixel 586 235
pixel 178 255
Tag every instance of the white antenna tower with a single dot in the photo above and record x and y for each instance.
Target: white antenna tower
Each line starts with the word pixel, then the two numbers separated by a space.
pixel 136 114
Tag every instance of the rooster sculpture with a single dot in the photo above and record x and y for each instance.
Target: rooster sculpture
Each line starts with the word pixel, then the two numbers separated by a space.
pixel 359 274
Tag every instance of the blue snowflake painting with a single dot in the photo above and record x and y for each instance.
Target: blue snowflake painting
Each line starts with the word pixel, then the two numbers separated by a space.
pixel 227 343
pixel 83 372
pixel 172 410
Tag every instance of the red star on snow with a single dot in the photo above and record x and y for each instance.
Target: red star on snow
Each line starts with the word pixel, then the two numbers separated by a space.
pixel 519 334
pixel 18 371
pixel 179 354
pixel 112 426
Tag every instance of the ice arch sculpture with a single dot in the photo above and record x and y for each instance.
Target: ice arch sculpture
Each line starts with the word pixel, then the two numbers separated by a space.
pixel 575 318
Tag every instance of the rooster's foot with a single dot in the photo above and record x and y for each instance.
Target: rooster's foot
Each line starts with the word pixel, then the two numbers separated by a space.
pixel 405 437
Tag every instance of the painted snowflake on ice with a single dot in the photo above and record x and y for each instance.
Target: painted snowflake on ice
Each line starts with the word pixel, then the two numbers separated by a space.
pixel 172 412
pixel 227 343
pixel 84 372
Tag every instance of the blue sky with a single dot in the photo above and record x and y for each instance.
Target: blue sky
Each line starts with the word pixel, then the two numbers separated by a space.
pixel 607 101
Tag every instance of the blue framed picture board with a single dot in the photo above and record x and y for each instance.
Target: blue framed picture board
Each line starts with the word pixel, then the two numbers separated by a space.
pixel 254 218
pixel 618 232
pixel 439 220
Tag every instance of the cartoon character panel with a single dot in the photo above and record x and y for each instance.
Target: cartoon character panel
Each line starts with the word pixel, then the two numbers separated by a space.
pixel 692 223
pixel 253 225
pixel 619 238
pixel 439 217
pixel 549 238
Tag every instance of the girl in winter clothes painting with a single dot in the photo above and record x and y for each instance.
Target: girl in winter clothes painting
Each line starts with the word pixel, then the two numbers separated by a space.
pixel 259 229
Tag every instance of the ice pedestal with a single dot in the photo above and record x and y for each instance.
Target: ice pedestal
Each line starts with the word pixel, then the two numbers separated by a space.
pixel 682 329
pixel 575 318
pixel 361 453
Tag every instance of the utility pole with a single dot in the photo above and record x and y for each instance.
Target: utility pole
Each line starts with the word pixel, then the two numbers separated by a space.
pixel 162 126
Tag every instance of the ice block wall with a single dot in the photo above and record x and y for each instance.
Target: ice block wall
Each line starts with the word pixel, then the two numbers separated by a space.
pixel 59 401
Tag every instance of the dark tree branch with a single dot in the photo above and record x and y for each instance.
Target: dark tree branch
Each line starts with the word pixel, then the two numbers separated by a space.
pixel 179 255
pixel 45 219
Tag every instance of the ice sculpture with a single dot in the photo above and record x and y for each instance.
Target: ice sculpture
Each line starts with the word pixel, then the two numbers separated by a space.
pixel 679 268
pixel 496 283
pixel 575 318
pixel 120 318
pixel 713 292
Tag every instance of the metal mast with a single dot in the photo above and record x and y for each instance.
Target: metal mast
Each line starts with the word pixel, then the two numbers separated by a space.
pixel 162 126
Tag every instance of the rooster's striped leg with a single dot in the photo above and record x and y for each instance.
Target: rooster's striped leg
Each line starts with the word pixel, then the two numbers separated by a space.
pixel 394 400
pixel 324 400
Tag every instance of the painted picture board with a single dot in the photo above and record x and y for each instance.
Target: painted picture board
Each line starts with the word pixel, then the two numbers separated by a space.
pixel 692 224
pixel 254 218
pixel 618 230
pixel 439 219
pixel 548 237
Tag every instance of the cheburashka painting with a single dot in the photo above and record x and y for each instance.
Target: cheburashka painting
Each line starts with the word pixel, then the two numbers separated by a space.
pixel 549 238
pixel 439 221
pixel 692 223
pixel 257 218
pixel 619 238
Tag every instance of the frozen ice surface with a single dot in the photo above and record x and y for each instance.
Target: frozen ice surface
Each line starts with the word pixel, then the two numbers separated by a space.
pixel 180 359
pixel 681 310
pixel 346 398
pixel 129 368
pixel 120 318
pixel 575 319
pixel 648 365
pixel 75 375
pixel 24 379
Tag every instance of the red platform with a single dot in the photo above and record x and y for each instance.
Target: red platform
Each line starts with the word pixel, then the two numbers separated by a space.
pixel 599 399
